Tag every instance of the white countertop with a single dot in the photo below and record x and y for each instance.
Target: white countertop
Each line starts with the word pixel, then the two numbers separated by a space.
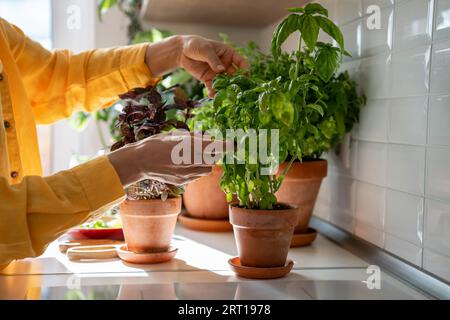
pixel 199 271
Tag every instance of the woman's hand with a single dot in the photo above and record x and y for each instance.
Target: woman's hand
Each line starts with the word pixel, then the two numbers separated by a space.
pixel 201 57
pixel 158 158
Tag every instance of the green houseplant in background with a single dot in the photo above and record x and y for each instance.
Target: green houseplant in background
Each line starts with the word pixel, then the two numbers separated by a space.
pixel 298 94
pixel 137 33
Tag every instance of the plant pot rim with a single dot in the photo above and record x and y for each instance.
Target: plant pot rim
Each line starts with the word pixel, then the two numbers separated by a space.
pixel 153 200
pixel 263 219
pixel 288 207
pixel 307 170
pixel 151 207
pixel 311 160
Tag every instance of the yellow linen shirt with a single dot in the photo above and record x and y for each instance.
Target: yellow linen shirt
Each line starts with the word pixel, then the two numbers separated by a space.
pixel 39 86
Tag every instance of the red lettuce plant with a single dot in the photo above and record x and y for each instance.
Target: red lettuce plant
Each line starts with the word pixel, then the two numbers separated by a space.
pixel 147 112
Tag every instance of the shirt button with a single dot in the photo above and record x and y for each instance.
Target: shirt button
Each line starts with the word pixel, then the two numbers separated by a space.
pixel 7 124
pixel 14 174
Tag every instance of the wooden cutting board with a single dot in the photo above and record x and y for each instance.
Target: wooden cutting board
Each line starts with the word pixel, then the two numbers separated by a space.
pixel 64 245
pixel 90 253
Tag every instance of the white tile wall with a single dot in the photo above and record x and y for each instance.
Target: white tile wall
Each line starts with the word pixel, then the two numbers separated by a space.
pixel 370 205
pixel 408 227
pixel 436 263
pixel 369 233
pixel 371 162
pixel 437 226
pixel 343 201
pixel 404 249
pixel 348 10
pixel 396 192
pixel 413 131
pixel 380 3
pixel 353 38
pixel 413 23
pixel 377 41
pixel 406 168
pixel 438 173
pixel 442 22
pixel 375 76
pixel 410 72
pixel 440 77
pixel 374 120
pixel 439 126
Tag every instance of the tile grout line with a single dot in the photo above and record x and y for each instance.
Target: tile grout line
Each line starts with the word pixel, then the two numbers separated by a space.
pixel 427 133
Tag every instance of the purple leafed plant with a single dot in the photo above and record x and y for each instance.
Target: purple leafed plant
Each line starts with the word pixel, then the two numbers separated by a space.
pixel 147 112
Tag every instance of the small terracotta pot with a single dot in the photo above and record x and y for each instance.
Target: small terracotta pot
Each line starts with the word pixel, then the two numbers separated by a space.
pixel 148 225
pixel 204 199
pixel 263 237
pixel 300 187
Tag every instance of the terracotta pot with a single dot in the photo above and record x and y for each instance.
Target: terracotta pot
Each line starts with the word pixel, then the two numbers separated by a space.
pixel 204 199
pixel 148 225
pixel 263 237
pixel 300 187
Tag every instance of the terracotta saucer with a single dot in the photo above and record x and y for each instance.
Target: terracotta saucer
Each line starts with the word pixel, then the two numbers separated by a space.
pixel 303 239
pixel 208 225
pixel 145 258
pixel 259 273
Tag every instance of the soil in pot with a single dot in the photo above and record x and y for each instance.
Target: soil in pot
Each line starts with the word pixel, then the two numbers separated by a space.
pixel 300 187
pixel 263 237
pixel 148 225
pixel 203 198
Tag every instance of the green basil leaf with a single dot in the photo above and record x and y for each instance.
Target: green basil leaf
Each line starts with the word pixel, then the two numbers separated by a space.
pixel 251 186
pixel 316 107
pixel 313 8
pixel 313 129
pixel 299 10
pixel 327 61
pixel 220 83
pixel 332 30
pixel 310 31
pixel 294 87
pixel 283 31
pixel 221 95
pixel 263 101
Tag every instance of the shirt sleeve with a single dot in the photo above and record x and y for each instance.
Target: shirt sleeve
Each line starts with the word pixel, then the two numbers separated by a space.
pixel 38 210
pixel 60 82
